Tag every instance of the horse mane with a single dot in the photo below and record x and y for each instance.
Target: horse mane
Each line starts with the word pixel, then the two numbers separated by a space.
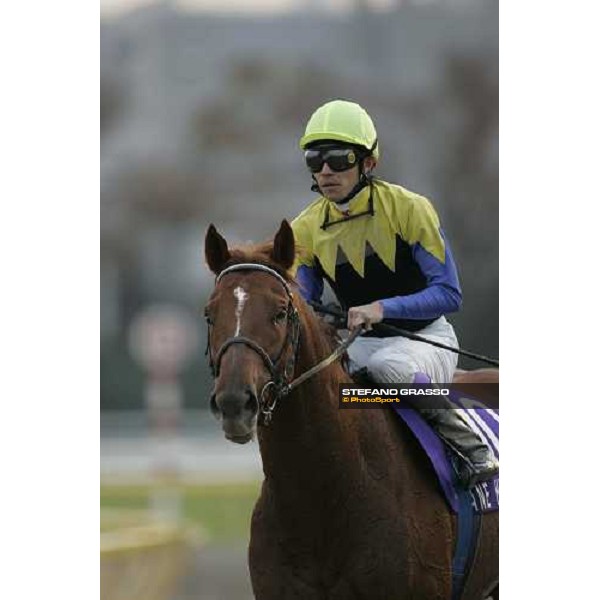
pixel 262 253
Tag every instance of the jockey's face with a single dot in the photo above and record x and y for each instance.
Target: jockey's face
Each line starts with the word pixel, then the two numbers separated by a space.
pixel 336 185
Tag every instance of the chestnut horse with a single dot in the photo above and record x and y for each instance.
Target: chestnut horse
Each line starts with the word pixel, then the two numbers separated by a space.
pixel 350 508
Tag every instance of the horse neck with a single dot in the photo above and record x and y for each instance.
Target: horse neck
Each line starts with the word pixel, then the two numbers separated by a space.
pixel 310 440
pixel 322 463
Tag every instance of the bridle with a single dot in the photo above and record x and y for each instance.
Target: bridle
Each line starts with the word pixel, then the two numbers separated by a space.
pixel 280 377
pixel 279 384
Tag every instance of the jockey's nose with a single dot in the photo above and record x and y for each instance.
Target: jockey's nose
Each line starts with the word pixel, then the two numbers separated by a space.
pixel 326 170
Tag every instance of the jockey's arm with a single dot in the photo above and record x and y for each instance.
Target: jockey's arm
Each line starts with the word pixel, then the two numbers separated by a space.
pixel 309 279
pixel 310 283
pixel 441 295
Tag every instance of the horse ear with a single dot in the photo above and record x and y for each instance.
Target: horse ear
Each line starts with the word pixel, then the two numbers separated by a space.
pixel 284 250
pixel 215 250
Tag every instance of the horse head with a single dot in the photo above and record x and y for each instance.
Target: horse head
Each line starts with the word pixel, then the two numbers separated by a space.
pixel 253 328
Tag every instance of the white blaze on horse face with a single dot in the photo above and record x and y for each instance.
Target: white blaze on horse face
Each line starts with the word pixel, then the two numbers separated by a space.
pixel 241 297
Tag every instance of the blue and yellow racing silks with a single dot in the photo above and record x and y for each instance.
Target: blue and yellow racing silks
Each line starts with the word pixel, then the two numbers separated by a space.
pixel 388 246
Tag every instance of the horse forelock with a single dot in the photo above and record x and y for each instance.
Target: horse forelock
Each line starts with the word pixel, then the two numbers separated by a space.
pixel 260 254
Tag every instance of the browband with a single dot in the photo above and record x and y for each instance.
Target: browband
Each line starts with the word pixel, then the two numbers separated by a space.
pixel 256 267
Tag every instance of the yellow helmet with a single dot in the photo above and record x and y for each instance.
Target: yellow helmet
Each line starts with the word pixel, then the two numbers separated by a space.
pixel 342 121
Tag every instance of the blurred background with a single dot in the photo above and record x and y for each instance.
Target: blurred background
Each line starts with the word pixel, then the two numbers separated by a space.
pixel 202 106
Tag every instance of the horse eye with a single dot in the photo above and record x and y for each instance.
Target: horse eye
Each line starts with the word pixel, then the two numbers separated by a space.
pixel 280 316
pixel 208 317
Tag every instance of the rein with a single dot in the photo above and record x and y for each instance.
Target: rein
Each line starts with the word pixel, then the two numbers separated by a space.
pixel 280 380
pixel 384 327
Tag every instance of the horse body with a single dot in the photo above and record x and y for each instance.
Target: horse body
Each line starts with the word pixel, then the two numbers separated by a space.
pixel 350 508
pixel 335 515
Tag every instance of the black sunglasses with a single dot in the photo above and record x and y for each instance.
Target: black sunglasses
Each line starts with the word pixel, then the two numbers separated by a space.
pixel 337 159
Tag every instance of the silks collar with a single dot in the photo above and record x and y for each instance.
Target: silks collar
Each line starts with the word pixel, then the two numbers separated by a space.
pixel 359 206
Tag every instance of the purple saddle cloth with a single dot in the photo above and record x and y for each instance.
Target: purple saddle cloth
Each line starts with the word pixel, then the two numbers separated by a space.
pixel 485 422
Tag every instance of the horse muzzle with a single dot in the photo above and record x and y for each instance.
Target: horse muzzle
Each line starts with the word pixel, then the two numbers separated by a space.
pixel 237 411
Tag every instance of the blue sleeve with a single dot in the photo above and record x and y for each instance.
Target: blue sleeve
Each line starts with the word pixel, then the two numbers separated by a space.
pixel 441 296
pixel 310 283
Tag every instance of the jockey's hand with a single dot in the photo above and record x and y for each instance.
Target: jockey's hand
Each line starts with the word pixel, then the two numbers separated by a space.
pixel 365 315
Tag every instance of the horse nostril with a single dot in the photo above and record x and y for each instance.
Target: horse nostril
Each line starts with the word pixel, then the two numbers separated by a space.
pixel 233 405
pixel 214 409
pixel 251 404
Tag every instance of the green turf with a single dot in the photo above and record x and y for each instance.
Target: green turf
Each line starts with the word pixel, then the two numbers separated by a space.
pixel 221 511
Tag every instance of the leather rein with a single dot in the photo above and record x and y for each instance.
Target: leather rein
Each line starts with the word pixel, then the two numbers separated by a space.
pixel 280 382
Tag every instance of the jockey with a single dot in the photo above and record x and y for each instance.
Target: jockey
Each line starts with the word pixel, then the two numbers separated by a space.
pixel 382 250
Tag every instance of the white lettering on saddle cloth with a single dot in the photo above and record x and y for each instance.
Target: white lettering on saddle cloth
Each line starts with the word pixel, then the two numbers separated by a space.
pixel 485 495
pixel 241 297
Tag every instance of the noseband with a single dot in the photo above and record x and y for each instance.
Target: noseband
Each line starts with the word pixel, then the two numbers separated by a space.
pixel 280 379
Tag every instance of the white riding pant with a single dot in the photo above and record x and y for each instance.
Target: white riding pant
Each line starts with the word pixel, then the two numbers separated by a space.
pixel 397 359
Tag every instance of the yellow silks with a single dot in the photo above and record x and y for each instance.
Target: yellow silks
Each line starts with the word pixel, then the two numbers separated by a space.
pixel 397 211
